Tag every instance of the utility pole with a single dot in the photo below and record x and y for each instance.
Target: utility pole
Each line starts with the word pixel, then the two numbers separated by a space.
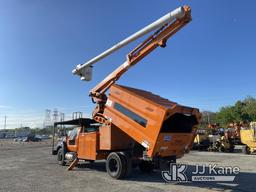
pixel 208 118
pixel 5 122
pixel 63 130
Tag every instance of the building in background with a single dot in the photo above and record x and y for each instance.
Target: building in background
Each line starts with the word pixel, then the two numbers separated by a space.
pixel 22 132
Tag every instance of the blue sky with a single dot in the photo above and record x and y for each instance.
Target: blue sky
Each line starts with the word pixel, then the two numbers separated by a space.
pixel 210 63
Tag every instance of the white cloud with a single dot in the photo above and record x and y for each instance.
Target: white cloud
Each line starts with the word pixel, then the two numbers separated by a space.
pixel 4 106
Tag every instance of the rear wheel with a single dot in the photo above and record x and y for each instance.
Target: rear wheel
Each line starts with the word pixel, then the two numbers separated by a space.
pixel 60 157
pixel 126 157
pixel 116 165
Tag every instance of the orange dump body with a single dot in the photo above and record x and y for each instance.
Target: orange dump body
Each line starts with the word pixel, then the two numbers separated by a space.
pixel 162 127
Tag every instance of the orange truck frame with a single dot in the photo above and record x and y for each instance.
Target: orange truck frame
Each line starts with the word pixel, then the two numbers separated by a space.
pixel 135 127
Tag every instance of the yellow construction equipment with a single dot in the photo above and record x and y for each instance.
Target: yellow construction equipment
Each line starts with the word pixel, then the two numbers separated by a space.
pixel 201 141
pixel 248 138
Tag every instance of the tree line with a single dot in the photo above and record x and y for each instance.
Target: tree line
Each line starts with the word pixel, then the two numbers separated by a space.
pixel 243 110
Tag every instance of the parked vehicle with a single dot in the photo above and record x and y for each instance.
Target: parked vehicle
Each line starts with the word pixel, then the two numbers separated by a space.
pixel 248 138
pixel 136 126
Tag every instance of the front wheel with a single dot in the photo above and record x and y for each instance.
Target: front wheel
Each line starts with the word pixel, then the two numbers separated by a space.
pixel 60 157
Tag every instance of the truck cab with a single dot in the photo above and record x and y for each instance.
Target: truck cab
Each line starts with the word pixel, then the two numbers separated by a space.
pixel 79 130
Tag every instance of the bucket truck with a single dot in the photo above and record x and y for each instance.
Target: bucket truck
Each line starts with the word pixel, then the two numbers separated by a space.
pixel 135 127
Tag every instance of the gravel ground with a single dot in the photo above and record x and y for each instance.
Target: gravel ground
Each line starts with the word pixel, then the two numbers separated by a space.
pixel 30 167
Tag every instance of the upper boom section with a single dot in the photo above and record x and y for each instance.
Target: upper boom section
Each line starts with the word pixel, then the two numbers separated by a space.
pixel 84 70
pixel 159 38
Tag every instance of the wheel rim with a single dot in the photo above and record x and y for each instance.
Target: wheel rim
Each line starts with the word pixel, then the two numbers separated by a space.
pixel 113 166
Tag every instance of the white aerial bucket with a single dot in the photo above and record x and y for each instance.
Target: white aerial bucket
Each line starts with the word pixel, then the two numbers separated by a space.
pixel 86 73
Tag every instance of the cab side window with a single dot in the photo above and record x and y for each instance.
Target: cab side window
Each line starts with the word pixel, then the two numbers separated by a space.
pixel 72 137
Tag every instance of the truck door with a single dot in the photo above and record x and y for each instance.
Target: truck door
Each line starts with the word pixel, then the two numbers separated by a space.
pixel 88 143
pixel 72 141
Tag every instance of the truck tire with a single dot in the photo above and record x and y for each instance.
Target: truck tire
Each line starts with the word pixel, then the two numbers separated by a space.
pixel 246 150
pixel 61 157
pixel 116 165
pixel 231 149
pixel 146 166
pixel 128 161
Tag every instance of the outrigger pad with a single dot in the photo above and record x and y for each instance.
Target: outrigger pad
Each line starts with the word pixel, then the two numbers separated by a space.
pixel 73 164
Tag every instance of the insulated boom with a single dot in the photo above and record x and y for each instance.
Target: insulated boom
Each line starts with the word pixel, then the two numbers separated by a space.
pixel 83 69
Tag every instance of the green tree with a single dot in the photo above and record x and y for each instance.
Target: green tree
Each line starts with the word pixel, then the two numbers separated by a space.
pixel 250 108
pixel 242 111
